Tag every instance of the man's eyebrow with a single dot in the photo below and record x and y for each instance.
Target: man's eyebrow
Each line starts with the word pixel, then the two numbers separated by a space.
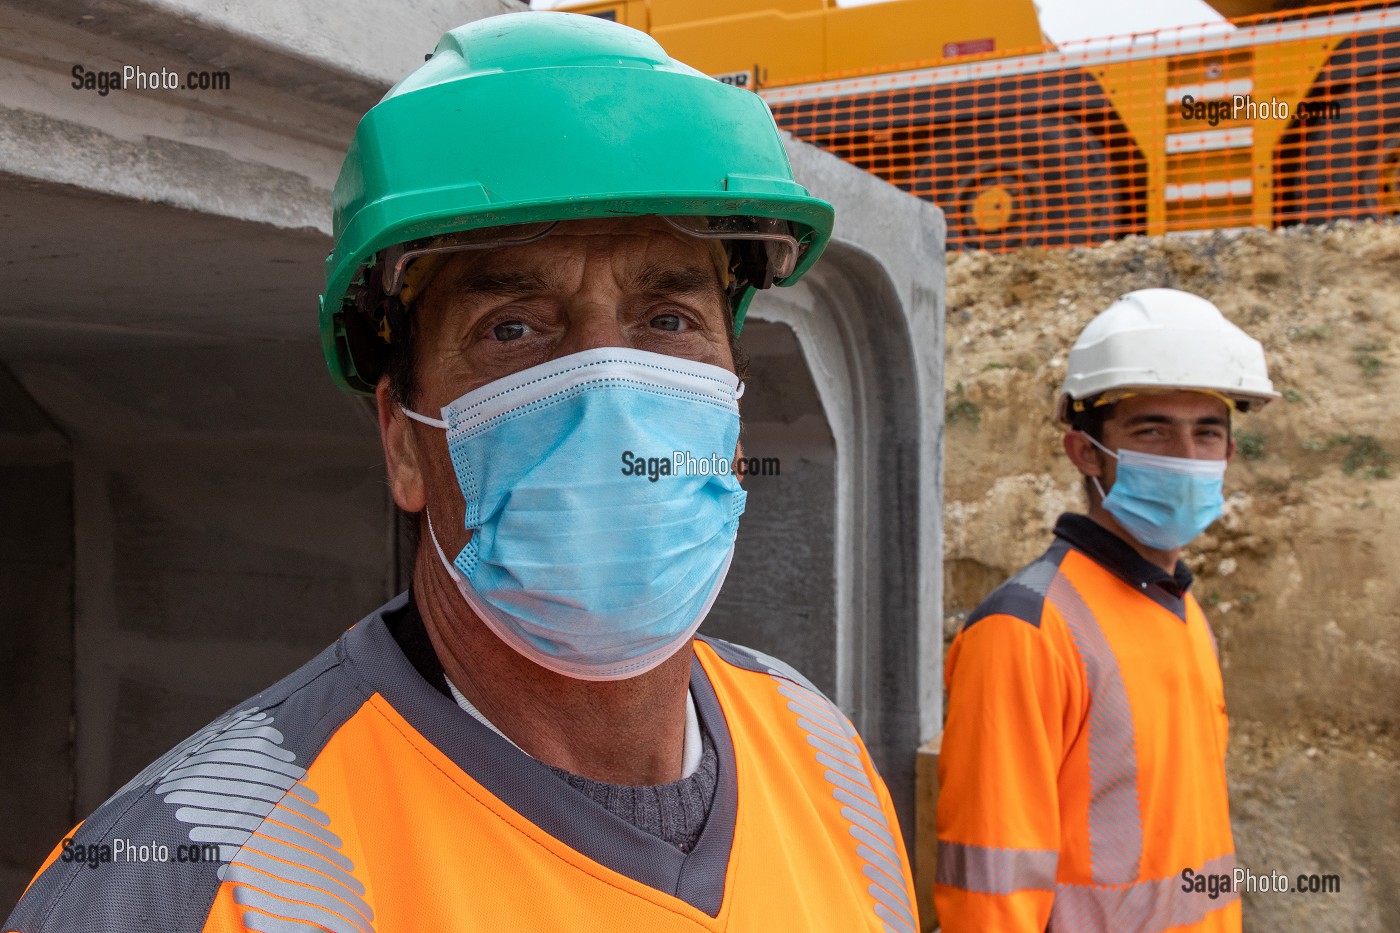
pixel 674 280
pixel 1151 418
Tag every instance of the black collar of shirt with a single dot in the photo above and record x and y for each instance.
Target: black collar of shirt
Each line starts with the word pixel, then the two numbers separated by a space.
pixel 1118 557
pixel 412 636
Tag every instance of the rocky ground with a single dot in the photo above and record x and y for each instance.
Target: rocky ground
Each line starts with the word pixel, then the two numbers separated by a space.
pixel 1301 577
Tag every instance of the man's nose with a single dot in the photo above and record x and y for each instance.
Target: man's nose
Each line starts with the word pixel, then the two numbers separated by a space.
pixel 592 322
pixel 1186 446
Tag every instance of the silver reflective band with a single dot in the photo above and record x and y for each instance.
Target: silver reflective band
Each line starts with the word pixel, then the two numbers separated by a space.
pixel 994 870
pixel 1115 817
pixel 1144 907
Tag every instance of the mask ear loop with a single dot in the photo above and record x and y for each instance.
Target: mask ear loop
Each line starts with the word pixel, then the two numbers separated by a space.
pixel 430 422
pixel 446 564
pixel 1097 485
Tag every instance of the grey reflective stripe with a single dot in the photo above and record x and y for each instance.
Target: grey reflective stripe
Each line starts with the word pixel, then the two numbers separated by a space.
pixel 314 883
pixel 892 923
pixel 992 870
pixel 316 861
pixel 229 840
pixel 221 802
pixel 1115 819
pixel 234 759
pixel 290 901
pixel 255 744
pixel 265 923
pixel 884 879
pixel 832 741
pixel 1038 576
pixel 888 894
pixel 217 786
pixel 855 775
pixel 878 830
pixel 236 786
pixel 301 807
pixel 864 793
pixel 851 800
pixel 817 729
pixel 301 840
pixel 217 818
pixel 885 850
pixel 880 862
pixel 1144 907
pixel 302 824
pixel 823 745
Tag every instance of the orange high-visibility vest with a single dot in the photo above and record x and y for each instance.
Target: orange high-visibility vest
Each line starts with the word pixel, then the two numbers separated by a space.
pixel 1082 771
pixel 353 797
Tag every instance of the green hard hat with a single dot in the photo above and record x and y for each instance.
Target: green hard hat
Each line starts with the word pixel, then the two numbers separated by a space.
pixel 531 117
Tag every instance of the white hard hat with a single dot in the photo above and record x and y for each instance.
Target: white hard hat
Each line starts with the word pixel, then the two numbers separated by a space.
pixel 1159 339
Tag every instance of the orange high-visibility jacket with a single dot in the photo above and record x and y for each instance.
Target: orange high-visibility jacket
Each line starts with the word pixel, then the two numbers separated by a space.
pixel 1082 770
pixel 353 797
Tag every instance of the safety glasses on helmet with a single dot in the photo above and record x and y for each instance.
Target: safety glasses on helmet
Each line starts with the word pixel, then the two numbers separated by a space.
pixel 773 244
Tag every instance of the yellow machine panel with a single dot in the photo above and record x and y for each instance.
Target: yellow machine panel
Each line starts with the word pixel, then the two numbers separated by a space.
pixel 1286 116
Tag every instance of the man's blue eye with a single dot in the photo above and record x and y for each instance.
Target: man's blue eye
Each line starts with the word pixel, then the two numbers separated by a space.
pixel 666 322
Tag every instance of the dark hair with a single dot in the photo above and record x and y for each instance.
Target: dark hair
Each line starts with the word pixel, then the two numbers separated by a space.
pixel 1091 419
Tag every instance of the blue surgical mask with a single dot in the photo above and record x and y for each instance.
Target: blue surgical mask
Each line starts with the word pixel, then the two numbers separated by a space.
pixel 1163 502
pixel 581 558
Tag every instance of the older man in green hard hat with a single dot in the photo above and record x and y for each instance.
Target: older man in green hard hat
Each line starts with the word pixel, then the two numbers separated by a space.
pixel 546 239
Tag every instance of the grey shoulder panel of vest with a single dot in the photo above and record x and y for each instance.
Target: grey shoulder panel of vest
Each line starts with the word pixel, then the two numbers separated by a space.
pixel 1023 596
pixel 151 858
pixel 751 659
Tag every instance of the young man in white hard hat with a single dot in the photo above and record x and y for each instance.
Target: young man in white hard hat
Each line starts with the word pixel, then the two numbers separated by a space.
pixel 1082 772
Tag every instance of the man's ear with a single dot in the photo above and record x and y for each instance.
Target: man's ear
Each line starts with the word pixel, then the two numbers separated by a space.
pixel 396 434
pixel 1082 453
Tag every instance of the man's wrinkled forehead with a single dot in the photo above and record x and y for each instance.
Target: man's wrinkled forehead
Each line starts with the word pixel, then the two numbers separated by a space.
pixel 643 253
pixel 1201 407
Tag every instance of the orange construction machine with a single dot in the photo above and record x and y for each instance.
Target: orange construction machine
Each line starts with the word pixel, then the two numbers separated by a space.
pixel 1280 115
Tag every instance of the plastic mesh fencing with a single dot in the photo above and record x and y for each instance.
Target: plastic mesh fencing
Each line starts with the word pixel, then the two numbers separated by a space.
pixel 1262 121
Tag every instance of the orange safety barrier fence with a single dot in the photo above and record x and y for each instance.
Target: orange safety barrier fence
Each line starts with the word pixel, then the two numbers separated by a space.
pixel 1262 121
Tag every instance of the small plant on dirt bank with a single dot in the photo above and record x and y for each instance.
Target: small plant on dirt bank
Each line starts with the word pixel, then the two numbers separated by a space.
pixel 1368 361
pixel 1250 445
pixel 1304 334
pixel 1364 454
pixel 960 408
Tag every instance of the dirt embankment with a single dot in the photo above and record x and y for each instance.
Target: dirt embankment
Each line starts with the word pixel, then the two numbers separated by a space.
pixel 1301 577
